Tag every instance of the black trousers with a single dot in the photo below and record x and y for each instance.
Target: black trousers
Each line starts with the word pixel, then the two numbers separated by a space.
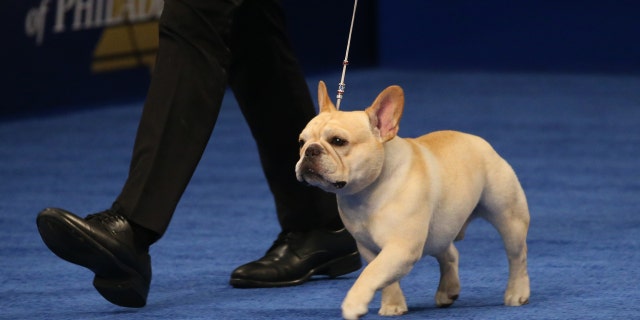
pixel 206 46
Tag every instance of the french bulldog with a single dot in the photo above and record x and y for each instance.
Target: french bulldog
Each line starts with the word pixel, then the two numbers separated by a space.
pixel 405 198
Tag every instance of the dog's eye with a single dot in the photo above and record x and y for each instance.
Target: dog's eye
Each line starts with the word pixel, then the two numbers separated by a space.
pixel 301 143
pixel 337 141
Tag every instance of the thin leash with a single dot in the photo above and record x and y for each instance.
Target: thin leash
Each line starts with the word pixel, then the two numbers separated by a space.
pixel 345 62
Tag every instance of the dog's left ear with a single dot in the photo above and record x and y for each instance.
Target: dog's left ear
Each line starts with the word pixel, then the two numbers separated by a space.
pixel 385 112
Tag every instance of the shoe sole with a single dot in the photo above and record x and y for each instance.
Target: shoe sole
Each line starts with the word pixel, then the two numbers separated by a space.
pixel 114 280
pixel 334 268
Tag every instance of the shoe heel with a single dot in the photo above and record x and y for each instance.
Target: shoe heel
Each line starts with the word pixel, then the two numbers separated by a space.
pixel 126 292
pixel 342 265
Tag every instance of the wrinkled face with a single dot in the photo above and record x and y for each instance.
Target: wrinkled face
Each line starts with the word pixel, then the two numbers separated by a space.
pixel 340 152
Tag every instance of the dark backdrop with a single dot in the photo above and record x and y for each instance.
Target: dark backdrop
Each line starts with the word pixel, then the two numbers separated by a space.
pixel 56 73
pixel 543 36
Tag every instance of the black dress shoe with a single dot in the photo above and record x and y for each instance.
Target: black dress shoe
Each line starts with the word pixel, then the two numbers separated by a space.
pixel 295 257
pixel 103 243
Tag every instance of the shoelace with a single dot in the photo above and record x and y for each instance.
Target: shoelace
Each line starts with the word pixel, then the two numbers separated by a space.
pixel 285 238
pixel 106 216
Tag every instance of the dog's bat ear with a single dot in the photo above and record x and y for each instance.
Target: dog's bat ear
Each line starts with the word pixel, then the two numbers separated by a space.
pixel 324 101
pixel 385 112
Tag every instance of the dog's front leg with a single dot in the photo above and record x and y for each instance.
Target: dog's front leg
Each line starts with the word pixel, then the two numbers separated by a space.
pixel 393 302
pixel 384 271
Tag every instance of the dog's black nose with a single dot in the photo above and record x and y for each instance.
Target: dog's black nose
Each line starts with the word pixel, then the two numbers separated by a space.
pixel 313 151
pixel 339 184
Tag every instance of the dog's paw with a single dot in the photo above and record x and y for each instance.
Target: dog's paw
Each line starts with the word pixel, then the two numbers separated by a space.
pixel 353 311
pixel 444 299
pixel 517 292
pixel 393 310
pixel 516 300
pixel 393 302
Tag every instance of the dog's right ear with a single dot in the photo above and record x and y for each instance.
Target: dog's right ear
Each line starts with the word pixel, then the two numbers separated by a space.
pixel 324 102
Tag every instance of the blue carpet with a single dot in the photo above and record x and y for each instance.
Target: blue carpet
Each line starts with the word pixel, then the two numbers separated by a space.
pixel 573 139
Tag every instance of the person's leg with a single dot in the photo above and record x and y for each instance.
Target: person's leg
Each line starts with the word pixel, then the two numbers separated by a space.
pixel 182 106
pixel 187 86
pixel 272 92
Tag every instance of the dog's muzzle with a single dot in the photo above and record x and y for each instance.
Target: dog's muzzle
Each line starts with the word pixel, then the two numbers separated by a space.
pixel 311 155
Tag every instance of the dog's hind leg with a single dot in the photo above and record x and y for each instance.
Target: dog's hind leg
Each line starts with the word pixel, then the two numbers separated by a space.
pixel 449 287
pixel 509 214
